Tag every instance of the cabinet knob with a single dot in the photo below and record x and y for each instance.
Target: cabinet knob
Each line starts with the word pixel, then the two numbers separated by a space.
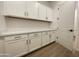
pixel 71 30
pixel 29 41
pixel 57 18
pixel 17 37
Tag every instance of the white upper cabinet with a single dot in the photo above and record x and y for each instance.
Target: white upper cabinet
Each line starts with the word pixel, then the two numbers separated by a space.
pixel 49 14
pixel 16 8
pixel 28 9
pixel 32 9
pixel 42 12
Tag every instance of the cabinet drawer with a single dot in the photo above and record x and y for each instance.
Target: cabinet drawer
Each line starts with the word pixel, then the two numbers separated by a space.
pixel 45 33
pixel 34 35
pixel 15 37
pixel 16 48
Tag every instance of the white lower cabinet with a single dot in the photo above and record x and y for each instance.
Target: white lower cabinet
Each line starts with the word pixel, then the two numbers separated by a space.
pixel 45 38
pixel 34 41
pixel 52 36
pixel 16 47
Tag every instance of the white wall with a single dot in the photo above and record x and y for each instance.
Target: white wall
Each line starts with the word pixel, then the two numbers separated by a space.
pixel 65 23
pixel 14 24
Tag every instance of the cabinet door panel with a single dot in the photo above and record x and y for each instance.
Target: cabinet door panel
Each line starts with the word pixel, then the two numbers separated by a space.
pixel 15 37
pixel 32 9
pixel 45 38
pixel 49 14
pixel 16 48
pixel 35 41
pixel 53 36
pixel 42 12
pixel 16 8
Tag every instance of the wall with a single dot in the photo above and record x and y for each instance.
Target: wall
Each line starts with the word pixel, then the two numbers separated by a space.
pixel 14 24
pixel 65 23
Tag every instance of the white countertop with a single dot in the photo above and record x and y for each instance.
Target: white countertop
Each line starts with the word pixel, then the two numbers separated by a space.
pixel 22 32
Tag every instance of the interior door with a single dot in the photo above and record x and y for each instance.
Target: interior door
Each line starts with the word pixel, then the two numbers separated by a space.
pixel 76 27
pixel 66 24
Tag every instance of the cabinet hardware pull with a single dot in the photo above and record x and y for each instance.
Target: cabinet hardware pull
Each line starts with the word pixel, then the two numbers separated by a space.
pixel 50 36
pixel 26 41
pixel 12 42
pixel 29 41
pixel 18 37
pixel 27 13
pixel 46 18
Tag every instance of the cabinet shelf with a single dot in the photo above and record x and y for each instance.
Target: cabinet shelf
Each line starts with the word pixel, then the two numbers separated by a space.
pixel 21 17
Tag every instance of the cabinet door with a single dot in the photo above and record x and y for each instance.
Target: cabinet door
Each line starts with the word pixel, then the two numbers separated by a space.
pixel 1 49
pixel 34 41
pixel 16 8
pixel 52 36
pixel 45 38
pixel 32 9
pixel 42 12
pixel 16 48
pixel 49 14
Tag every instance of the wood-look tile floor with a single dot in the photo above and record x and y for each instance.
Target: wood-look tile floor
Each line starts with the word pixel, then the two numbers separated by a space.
pixel 52 50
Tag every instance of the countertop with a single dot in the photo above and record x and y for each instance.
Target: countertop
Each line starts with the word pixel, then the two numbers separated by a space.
pixel 7 33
